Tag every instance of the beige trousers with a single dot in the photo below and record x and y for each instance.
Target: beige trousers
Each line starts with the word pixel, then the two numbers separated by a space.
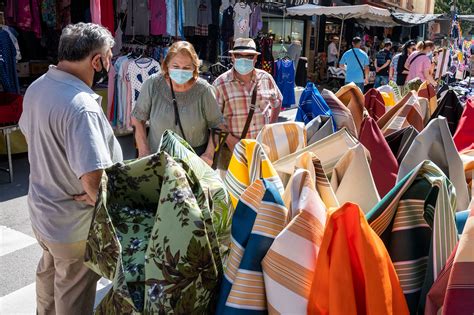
pixel 64 285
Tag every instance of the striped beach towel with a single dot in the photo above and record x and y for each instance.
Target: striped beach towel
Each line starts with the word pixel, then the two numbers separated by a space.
pixel 400 141
pixel 341 114
pixel 281 139
pixel 435 143
pixel 248 163
pixel 309 162
pixel 351 96
pixel 258 218
pixel 416 222
pixel 454 288
pixel 288 267
pixel 427 91
pixel 405 113
pixel 329 151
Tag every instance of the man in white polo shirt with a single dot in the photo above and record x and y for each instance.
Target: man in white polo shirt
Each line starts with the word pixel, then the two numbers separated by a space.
pixel 70 143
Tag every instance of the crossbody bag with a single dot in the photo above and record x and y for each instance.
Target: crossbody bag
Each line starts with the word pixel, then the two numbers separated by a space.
pixel 358 61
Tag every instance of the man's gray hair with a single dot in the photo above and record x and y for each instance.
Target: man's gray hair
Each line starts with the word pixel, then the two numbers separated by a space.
pixel 78 41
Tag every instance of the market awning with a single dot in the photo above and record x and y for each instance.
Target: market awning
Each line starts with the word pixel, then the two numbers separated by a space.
pixel 410 19
pixel 466 17
pixel 364 11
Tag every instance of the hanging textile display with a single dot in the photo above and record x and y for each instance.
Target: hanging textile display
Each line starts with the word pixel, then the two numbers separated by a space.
pixel 285 79
pixel 133 241
pixel 417 225
pixel 352 254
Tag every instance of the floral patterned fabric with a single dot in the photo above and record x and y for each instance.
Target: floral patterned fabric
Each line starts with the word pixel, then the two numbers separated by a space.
pixel 153 236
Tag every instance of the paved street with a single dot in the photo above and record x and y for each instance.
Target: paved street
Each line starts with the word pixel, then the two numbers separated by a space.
pixel 19 252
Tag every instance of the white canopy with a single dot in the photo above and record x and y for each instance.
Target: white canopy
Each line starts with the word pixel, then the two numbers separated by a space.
pixel 364 12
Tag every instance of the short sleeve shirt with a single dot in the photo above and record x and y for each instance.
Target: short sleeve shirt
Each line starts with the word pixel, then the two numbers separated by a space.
pixel 68 136
pixel 198 111
pixel 354 73
pixel 382 57
pixel 417 66
pixel 234 101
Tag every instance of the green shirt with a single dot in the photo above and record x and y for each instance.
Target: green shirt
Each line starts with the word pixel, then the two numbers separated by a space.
pixel 198 111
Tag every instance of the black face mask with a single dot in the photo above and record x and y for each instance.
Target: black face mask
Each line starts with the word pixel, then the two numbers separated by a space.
pixel 99 76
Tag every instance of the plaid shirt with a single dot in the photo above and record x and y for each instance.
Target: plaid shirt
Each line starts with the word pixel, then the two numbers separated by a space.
pixel 234 101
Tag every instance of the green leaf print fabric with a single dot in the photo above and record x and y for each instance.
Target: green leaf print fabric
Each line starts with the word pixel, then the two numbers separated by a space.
pixel 153 236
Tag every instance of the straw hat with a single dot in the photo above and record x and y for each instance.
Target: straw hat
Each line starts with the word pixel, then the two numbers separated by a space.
pixel 244 46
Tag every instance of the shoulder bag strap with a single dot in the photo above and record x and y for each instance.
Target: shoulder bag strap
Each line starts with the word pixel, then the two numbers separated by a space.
pixel 177 120
pixel 419 55
pixel 358 61
pixel 251 112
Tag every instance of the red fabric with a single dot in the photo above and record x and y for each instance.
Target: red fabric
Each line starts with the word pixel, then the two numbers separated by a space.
pixel 435 298
pixel 464 136
pixel 11 106
pixel 107 15
pixel 384 165
pixel 374 104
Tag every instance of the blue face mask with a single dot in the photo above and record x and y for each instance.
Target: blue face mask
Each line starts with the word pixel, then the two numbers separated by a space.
pixel 243 65
pixel 180 76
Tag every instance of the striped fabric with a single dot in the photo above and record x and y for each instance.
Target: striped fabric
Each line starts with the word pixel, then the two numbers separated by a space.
pixel 467 158
pixel 319 128
pixel 354 274
pixel 427 91
pixel 416 222
pixel 288 267
pixel 374 103
pixel 351 96
pixel 248 163
pixel 281 139
pixel 400 141
pixel 464 135
pixel 258 218
pixel 435 143
pixel 329 151
pixel 405 113
pixel 352 180
pixel 309 162
pixel 453 291
pixel 311 105
pixel 459 297
pixel 384 166
pixel 341 114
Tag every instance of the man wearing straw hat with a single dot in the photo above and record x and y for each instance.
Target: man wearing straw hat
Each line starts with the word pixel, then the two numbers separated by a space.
pixel 333 52
pixel 249 98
